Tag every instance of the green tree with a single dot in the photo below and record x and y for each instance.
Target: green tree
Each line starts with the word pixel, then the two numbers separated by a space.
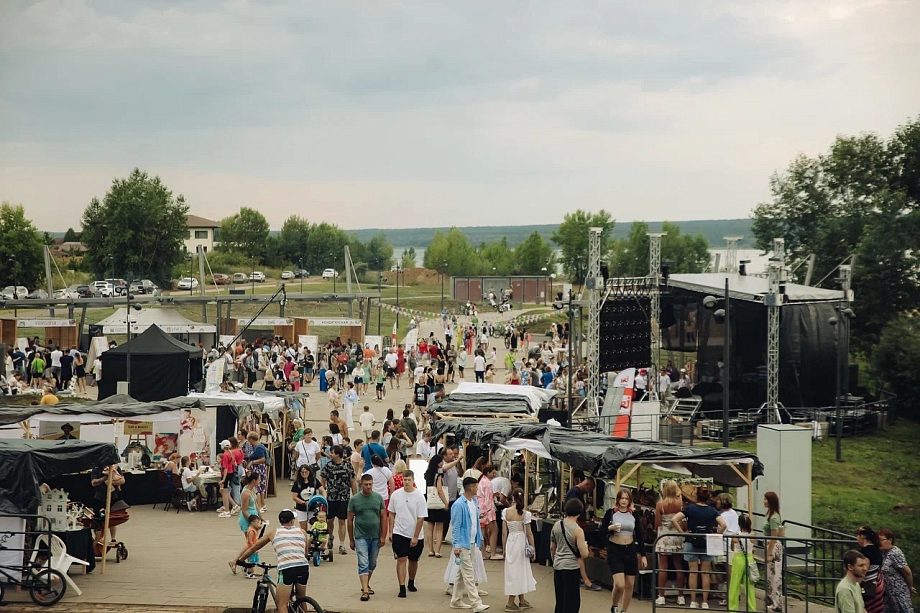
pixel 245 233
pixel 496 257
pixel 71 236
pixel 572 239
pixel 47 239
pixel 533 255
pixel 137 230
pixel 451 253
pixel 21 248
pixel 407 260
pixel 292 239
pixel 895 360
pixel 325 248
pixel 629 255
pixel 379 253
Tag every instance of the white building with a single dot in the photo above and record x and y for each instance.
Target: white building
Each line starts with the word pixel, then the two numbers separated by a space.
pixel 201 232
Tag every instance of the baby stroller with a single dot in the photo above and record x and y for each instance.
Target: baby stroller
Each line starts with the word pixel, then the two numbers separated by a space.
pixel 117 516
pixel 320 549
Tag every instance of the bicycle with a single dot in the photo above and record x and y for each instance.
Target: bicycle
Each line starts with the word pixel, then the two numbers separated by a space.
pixel 265 587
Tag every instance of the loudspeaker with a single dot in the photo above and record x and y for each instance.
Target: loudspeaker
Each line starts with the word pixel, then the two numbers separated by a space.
pixel 625 333
pixel 666 317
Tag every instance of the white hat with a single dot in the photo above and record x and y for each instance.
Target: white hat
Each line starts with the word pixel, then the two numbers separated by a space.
pixel 225 444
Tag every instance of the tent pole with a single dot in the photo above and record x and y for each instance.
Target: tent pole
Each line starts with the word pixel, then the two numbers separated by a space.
pixel 750 488
pixel 618 482
pixel 284 426
pixel 526 479
pixel 108 507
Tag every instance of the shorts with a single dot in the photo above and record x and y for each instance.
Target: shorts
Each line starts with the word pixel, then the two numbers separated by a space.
pixel 338 509
pixel 359 380
pixel 460 368
pixel 301 515
pixel 402 547
pixel 379 387
pixel 391 372
pixel 295 574
pixel 622 559
pixel 695 554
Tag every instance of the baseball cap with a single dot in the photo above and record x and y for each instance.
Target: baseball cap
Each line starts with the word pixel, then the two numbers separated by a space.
pixel 224 444
pixel 286 516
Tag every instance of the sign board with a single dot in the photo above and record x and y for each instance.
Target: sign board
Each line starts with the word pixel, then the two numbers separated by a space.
pixel 373 341
pixel 22 344
pixel 265 321
pixel 181 329
pixel 59 430
pixel 47 323
pixel 310 341
pixel 138 428
pixel 226 339
pixel 334 321
pixel 215 375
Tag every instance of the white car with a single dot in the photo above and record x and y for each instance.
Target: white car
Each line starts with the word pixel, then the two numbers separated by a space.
pixel 287 274
pixel 330 273
pixel 188 283
pixel 18 291
pixel 257 276
pixel 104 288
pixel 65 294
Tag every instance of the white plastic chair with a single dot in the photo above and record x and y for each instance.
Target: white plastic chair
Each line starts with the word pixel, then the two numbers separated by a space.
pixel 60 559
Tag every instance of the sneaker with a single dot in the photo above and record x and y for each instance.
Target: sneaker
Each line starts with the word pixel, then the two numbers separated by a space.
pixel 190 505
pixel 460 605
pixel 449 590
pixel 342 551
pixel 263 509
pixel 483 592
pixel 659 602
pixel 222 510
pixel 680 601
pixel 705 605
pixel 694 605
pixel 512 607
pixel 249 575
pixel 594 588
pixel 524 605
pixel 481 608
pixel 224 515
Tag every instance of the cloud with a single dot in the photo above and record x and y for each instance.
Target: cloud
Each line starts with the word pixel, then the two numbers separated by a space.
pixel 425 113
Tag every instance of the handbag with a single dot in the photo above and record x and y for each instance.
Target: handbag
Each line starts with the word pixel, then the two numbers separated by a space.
pixel 529 550
pixel 434 500
pixel 753 573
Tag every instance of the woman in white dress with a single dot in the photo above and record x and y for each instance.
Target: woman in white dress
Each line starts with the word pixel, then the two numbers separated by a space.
pixel 516 535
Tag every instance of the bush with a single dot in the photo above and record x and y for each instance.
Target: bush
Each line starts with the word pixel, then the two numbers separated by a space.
pixel 895 359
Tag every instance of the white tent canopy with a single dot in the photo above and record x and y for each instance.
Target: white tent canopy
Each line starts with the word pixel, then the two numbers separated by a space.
pixel 170 321
pixel 272 403
pixel 536 396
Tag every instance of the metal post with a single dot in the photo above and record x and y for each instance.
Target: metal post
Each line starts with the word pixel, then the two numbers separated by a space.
pixel 595 301
pixel 654 273
pixel 300 272
pixel 837 404
pixel 726 358
pixel 397 296
pixel 571 370
pixel 379 301
pixel 334 275
pixel 252 276
pixel 128 348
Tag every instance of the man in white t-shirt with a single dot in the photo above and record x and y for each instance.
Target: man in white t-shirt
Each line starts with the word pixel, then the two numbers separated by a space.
pixel 56 365
pixel 308 450
pixel 408 510
pixel 391 360
pixel 367 421
pixel 479 367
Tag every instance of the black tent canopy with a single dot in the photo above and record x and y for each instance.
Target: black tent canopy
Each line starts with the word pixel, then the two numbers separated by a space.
pixel 26 464
pixel 481 404
pixel 118 406
pixel 603 456
pixel 161 366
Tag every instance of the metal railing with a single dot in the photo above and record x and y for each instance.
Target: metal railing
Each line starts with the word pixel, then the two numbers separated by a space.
pixel 816 572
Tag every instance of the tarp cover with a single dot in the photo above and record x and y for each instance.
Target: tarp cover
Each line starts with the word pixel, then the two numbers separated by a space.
pixel 26 464
pixel 602 455
pixel 161 367
pixel 537 396
pixel 741 287
pixel 482 403
pixel 118 406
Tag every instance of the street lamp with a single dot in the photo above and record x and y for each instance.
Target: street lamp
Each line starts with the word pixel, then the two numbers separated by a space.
pixel 545 289
pixel 443 266
pixel 379 295
pixel 844 315
pixel 300 272
pixel 552 277
pixel 128 307
pixel 189 256
pixel 723 315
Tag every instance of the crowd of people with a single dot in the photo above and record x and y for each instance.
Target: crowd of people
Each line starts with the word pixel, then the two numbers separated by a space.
pixel 50 368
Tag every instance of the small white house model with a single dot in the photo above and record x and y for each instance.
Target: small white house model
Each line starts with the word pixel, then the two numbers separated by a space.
pixel 54 507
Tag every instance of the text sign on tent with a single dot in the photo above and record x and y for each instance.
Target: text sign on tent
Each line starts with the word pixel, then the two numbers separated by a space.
pixel 309 341
pixel 183 329
pixel 47 323
pixel 266 321
pixel 138 428
pixel 334 321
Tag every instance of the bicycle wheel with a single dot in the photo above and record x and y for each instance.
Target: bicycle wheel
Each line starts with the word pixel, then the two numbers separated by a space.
pixel 47 587
pixel 260 599
pixel 304 604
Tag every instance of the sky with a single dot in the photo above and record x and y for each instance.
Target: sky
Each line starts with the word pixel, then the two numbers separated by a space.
pixel 412 114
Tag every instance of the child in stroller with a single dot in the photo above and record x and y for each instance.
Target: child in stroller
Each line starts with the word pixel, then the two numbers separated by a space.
pixel 318 530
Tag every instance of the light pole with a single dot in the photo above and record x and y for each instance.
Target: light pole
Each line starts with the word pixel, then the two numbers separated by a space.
pixel 379 296
pixel 189 256
pixel 723 315
pixel 334 273
pixel 128 307
pixel 398 270
pixel 545 289
pixel 252 275
pixel 443 267
pixel 552 277
pixel 300 272
pixel 841 324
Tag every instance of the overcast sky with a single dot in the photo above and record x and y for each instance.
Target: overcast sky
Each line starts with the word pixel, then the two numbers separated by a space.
pixel 408 114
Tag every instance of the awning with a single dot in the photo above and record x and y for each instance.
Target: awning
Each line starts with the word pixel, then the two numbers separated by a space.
pixel 536 396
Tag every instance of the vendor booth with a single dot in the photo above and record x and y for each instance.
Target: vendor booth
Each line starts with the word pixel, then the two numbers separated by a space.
pixel 170 321
pixel 161 367
pixel 62 332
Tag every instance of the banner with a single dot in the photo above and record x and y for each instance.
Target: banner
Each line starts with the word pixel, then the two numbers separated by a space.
pixel 138 428
pixel 215 375
pixel 334 321
pixel 195 433
pixel 47 323
pixel 262 322
pixel 165 444
pixel 59 430
pixel 373 341
pixel 310 341
pixel 421 316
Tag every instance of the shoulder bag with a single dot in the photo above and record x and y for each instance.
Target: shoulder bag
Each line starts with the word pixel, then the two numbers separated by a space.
pixel 565 537
pixel 434 499
pixel 753 572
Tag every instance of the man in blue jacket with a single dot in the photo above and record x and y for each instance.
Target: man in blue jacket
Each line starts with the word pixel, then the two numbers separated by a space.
pixel 466 534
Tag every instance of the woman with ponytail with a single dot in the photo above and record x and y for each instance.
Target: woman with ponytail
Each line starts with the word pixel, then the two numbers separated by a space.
pixel 518 545
pixel 248 509
pixel 873 585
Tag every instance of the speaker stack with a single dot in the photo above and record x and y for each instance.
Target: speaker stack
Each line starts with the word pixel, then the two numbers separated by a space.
pixel 625 333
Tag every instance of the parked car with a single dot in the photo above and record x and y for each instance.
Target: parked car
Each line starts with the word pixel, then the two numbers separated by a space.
pixel 221 279
pixel 65 294
pixel 87 291
pixel 17 292
pixel 188 283
pixel 104 288
pixel 301 274
pixel 144 286
pixel 287 274
pixel 37 294
pixel 119 286
pixel 330 273
pixel 257 276
pixel 240 277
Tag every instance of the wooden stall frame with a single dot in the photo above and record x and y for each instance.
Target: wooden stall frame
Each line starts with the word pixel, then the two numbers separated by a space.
pixel 746 476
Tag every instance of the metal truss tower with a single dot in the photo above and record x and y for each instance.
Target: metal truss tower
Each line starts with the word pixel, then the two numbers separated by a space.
pixel 654 273
pixel 774 301
pixel 596 292
pixel 731 253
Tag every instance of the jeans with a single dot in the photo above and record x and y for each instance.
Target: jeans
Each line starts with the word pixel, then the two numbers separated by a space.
pixel 367 550
pixel 235 492
pixel 568 596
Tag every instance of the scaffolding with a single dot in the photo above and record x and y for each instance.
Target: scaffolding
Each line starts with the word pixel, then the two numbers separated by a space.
pixel 731 253
pixel 774 301
pixel 654 273
pixel 596 291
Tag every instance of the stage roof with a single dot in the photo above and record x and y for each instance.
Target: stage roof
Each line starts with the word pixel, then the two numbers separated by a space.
pixel 749 288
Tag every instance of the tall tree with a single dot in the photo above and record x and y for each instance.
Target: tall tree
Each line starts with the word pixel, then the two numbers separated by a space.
pixel 572 239
pixel 497 257
pixel 245 233
pixel 71 236
pixel 326 247
pixel 20 248
pixel 629 255
pixel 137 229
pixel 292 239
pixel 379 253
pixel 451 253
pixel 407 260
pixel 534 255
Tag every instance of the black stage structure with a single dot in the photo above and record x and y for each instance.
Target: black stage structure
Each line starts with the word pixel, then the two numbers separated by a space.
pixel 807 355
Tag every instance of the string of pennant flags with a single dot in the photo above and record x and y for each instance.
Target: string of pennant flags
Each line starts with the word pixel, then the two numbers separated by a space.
pixel 526 318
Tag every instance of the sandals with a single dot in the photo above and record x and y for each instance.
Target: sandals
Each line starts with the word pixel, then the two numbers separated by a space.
pixel 232 567
pixel 431 555
pixel 370 591
pixel 365 596
pixel 438 555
